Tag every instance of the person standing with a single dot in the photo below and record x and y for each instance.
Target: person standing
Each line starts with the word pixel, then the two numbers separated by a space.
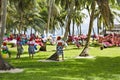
pixel 19 47
pixel 59 47
pixel 31 49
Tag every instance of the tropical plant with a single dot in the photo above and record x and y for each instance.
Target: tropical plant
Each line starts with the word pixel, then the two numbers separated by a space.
pixel 3 64
pixel 107 15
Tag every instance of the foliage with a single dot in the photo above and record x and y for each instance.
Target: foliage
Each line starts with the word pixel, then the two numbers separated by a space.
pixel 19 13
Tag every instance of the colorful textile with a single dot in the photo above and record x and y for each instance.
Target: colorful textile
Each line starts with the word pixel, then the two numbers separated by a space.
pixel 59 48
pixel 31 49
pixel 19 50
pixel 5 51
pixel 19 47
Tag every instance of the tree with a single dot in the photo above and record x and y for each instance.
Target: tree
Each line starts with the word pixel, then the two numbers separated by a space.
pixel 50 3
pixel 107 16
pixel 68 22
pixel 3 64
pixel 85 50
pixel 71 10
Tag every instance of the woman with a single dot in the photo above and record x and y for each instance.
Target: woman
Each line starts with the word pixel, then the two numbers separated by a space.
pixel 19 47
pixel 31 50
pixel 59 48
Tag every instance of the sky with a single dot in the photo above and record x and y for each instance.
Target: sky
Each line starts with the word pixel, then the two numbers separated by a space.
pixel 84 26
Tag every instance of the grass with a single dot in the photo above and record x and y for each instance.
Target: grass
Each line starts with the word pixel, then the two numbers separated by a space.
pixel 105 65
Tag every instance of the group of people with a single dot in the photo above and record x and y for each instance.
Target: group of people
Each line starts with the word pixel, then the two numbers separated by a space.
pixel 32 45
pixel 21 40
pixel 32 42
pixel 20 48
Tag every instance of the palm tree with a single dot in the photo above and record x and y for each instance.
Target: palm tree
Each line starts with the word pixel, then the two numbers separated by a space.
pixel 20 8
pixel 69 8
pixel 107 16
pixel 33 19
pixel 70 11
pixel 85 50
pixel 11 18
pixel 50 3
pixel 3 64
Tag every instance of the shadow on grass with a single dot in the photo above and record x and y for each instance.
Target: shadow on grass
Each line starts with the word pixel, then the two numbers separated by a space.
pixel 100 68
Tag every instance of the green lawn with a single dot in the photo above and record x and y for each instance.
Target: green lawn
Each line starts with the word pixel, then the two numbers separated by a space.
pixel 105 65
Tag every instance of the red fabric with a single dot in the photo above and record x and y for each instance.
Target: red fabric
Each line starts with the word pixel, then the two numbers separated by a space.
pixel 41 44
pixel 4 43
pixel 31 44
pixel 59 44
pixel 18 39
pixel 31 39
pixel 39 41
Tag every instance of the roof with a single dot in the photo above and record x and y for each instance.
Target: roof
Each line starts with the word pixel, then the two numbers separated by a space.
pixel 115 29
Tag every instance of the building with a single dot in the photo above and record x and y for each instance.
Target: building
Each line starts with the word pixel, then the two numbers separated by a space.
pixel 115 29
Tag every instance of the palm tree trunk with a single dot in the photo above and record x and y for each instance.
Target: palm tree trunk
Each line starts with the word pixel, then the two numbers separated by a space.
pixel 67 29
pixel 20 25
pixel 25 29
pixel 3 65
pixel 14 31
pixel 54 29
pixel 3 21
pixel 85 50
pixel 31 31
pixel 21 18
pixel 93 34
pixel 49 16
pixel 73 27
pixel 53 22
pixel 62 30
pixel 98 26
pixel 80 30
pixel 104 28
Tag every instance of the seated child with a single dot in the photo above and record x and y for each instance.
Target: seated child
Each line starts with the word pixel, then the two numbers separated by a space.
pixel 5 49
